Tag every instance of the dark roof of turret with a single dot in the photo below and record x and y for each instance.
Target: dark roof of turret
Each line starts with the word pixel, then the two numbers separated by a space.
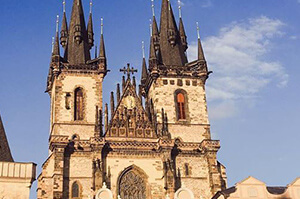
pixel 5 154
pixel 172 55
pixel 77 52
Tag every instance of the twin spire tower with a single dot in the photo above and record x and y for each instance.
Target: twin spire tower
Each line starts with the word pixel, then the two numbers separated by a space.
pixel 153 141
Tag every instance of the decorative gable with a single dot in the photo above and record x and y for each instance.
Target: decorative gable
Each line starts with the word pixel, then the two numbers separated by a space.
pixel 129 119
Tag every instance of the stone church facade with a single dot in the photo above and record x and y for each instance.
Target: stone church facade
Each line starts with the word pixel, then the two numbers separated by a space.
pixel 152 141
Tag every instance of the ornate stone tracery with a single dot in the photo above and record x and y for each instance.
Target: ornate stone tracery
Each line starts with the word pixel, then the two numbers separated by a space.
pixel 132 184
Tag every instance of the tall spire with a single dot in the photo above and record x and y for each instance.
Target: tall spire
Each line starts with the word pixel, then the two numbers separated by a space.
pixel 64 27
pixel 56 51
pixel 118 94
pixel 112 103
pixel 172 51
pixel 5 154
pixel 144 66
pixel 153 8
pixel 181 29
pixel 200 49
pixel 77 50
pixel 102 54
pixel 90 27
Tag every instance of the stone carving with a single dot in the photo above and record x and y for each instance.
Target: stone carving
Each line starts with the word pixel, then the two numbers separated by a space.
pixel 132 186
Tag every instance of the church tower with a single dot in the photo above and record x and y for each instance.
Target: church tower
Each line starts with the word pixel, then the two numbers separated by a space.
pixel 174 84
pixel 74 85
pixel 151 141
pixel 75 80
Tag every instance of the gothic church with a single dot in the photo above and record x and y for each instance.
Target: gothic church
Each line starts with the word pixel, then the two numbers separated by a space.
pixel 153 141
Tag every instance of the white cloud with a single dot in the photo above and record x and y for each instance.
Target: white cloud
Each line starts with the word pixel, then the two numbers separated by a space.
pixel 237 55
pixel 208 3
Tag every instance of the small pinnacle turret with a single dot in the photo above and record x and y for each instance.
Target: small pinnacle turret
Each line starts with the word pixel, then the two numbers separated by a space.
pixel 90 28
pixel 102 54
pixel 64 28
pixel 144 67
pixel 56 50
pixel 183 35
pixel 201 56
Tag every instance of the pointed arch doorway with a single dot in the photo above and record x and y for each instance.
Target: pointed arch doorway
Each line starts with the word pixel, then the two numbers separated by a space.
pixel 132 183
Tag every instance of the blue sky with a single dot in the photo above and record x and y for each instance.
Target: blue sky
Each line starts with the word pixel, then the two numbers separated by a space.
pixel 253 95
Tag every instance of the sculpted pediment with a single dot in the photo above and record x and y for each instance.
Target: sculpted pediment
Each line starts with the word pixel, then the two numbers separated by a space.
pixel 130 119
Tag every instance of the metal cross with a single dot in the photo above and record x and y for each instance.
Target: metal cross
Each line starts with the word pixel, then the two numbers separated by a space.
pixel 128 70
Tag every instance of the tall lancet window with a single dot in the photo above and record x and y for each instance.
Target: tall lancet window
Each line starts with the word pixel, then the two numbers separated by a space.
pixel 79 104
pixel 75 190
pixel 181 106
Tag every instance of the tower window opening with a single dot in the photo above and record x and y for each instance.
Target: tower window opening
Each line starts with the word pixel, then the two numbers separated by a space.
pixel 181 106
pixel 186 169
pixel 75 190
pixel 79 106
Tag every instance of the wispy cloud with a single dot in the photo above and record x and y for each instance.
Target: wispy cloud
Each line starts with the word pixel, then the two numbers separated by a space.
pixel 208 3
pixel 237 56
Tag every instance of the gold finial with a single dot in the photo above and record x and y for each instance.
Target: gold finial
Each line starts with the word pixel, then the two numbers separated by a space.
pixel 169 5
pixel 198 30
pixel 101 26
pixel 143 48
pixel 64 5
pixel 179 8
pixel 91 6
pixel 153 8
pixel 57 22
pixel 52 44
pixel 150 27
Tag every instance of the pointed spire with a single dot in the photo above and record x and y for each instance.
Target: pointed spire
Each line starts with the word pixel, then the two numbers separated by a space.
pixel 90 28
pixel 134 82
pixel 153 8
pixel 64 28
pixel 123 83
pixel 106 117
pixel 182 29
pixel 5 154
pixel 144 66
pixel 172 28
pixel 102 54
pixel 201 56
pixel 118 94
pixel 171 49
pixel 112 103
pixel 78 48
pixel 56 51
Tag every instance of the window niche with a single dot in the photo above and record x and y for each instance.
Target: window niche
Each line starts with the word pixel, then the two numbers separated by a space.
pixel 181 105
pixel 67 101
pixel 78 104
pixel 75 190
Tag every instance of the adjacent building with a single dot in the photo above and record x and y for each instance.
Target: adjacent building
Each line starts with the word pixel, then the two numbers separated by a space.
pixel 15 178
pixel 253 188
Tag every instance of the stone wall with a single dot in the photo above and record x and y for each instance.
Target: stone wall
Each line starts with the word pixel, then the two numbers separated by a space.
pixel 162 92
pixel 16 179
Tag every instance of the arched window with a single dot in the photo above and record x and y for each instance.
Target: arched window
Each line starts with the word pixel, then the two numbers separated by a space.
pixel 79 104
pixel 186 169
pixel 75 190
pixel 181 105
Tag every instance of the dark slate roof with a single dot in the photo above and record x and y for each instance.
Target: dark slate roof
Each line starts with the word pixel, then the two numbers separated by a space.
pixel 5 154
pixel 276 190
pixel 225 192
pixel 77 52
